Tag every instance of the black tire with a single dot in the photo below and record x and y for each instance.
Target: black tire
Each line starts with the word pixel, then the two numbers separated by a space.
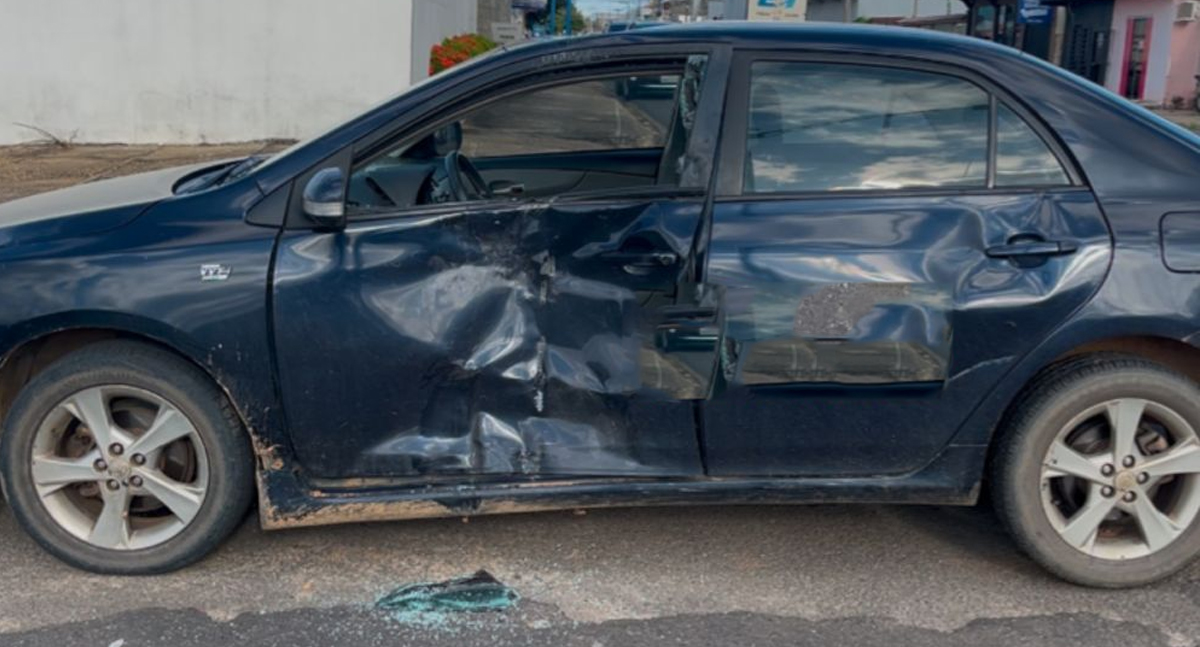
pixel 230 459
pixel 1052 400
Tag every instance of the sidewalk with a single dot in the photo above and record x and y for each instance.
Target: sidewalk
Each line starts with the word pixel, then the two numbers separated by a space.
pixel 1189 119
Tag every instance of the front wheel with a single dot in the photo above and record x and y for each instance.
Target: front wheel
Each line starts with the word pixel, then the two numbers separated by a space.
pixel 123 458
pixel 1097 472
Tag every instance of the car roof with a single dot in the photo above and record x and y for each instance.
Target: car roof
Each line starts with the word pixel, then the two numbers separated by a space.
pixel 751 34
pixel 617 27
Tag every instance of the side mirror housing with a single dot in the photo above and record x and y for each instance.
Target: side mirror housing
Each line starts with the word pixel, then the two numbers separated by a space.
pixel 324 198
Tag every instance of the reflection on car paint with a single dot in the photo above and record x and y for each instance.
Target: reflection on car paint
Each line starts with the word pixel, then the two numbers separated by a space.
pixel 847 332
pixel 857 292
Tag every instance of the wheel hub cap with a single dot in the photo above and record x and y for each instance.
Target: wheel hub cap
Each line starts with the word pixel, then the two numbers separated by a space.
pixel 1145 503
pixel 1125 481
pixel 119 467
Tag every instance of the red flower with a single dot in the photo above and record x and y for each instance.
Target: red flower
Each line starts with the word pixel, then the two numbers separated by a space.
pixel 456 49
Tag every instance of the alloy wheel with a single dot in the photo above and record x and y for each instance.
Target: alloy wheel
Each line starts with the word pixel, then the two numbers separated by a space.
pixel 1122 479
pixel 119 467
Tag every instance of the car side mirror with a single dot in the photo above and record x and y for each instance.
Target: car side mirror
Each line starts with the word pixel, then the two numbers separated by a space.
pixel 324 198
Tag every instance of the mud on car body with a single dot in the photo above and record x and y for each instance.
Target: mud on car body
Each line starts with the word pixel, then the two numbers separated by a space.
pixel 832 264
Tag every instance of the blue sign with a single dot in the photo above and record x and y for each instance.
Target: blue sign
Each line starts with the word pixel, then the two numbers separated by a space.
pixel 1033 12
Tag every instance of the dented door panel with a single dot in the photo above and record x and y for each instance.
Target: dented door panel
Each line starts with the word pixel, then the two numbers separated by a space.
pixel 510 340
pixel 860 331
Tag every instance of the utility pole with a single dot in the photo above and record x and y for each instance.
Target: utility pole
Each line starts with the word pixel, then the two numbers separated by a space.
pixel 567 31
pixel 847 10
pixel 553 17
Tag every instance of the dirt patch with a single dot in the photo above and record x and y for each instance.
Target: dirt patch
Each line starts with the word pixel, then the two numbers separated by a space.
pixel 34 168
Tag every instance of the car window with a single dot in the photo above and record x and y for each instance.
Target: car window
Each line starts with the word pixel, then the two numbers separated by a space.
pixel 837 127
pixel 627 112
pixel 491 150
pixel 1022 157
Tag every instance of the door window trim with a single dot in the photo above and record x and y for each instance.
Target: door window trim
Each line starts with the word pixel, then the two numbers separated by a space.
pixel 731 167
pixel 681 194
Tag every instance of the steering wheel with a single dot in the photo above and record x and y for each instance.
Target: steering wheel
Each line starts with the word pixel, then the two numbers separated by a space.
pixel 465 181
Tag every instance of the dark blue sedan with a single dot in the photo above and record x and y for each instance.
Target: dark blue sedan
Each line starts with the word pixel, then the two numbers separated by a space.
pixel 834 264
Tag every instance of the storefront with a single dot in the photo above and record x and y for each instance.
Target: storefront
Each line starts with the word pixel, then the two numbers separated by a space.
pixel 1156 51
pixel 1076 34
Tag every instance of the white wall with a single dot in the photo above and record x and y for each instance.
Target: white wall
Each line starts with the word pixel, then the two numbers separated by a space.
pixel 879 8
pixel 185 71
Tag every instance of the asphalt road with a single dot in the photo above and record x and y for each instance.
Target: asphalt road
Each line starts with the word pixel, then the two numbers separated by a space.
pixel 831 575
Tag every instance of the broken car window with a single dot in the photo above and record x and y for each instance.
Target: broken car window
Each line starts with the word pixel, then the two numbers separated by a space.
pixel 495 149
pixel 606 114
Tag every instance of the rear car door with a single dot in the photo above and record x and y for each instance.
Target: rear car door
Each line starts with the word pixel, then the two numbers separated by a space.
pixel 512 335
pixel 888 239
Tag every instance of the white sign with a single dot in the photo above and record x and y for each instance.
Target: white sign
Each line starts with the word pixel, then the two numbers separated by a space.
pixel 778 10
pixel 507 32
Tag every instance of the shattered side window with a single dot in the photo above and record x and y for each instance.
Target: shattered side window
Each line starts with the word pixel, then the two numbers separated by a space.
pixel 645 117
pixel 688 102
pixel 689 92
pixel 621 113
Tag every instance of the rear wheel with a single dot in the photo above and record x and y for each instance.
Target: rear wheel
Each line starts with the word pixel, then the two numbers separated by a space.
pixel 122 458
pixel 1097 473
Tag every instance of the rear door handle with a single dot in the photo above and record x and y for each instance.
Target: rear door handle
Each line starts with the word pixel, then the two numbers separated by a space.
pixel 1034 248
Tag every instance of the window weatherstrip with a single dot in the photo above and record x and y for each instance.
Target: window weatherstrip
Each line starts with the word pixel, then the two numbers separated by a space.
pixel 992 140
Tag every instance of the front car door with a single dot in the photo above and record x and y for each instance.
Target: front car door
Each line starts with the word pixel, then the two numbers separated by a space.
pixel 512 333
pixel 888 239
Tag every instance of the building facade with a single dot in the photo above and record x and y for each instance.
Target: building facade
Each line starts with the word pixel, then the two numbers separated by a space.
pixel 841 10
pixel 1155 51
pixel 1075 35
pixel 1144 50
